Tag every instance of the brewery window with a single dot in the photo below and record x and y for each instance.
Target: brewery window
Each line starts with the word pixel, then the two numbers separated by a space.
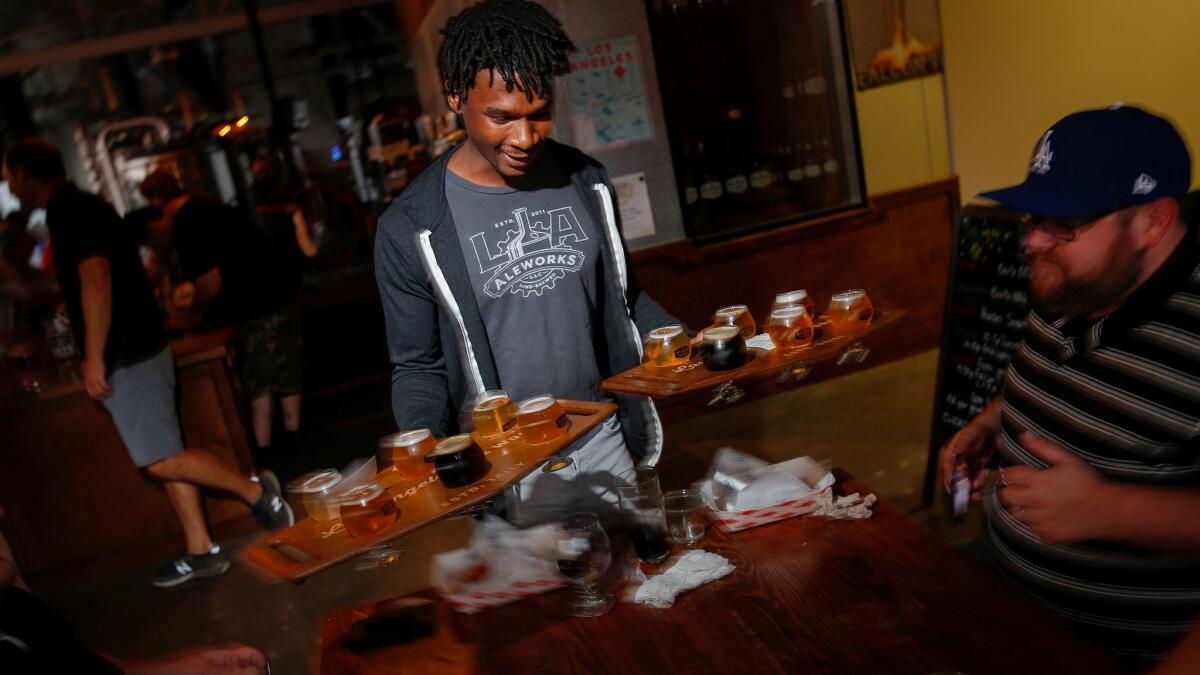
pixel 758 109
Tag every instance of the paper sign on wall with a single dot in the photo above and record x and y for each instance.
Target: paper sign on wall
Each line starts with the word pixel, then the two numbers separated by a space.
pixel 608 100
pixel 634 200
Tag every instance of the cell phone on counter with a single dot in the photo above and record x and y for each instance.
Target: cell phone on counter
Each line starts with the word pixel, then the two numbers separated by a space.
pixel 960 488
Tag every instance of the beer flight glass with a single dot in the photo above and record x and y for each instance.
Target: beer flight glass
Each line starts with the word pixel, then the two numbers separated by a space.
pixel 790 327
pixel 494 413
pixel 542 419
pixel 666 347
pixel 736 315
pixel 849 313
pixel 367 510
pixel 406 452
pixel 723 348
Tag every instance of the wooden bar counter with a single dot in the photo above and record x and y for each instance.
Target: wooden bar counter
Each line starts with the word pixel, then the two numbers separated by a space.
pixel 77 506
pixel 882 595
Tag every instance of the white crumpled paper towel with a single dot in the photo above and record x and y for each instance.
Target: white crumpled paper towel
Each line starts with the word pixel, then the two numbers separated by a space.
pixel 692 570
pixel 738 481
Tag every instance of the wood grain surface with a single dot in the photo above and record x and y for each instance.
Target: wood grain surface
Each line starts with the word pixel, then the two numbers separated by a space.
pixel 883 595
pixel 308 547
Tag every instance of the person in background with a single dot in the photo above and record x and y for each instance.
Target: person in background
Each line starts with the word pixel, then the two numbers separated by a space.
pixel 239 279
pixel 502 265
pixel 280 215
pixel 1097 429
pixel 127 363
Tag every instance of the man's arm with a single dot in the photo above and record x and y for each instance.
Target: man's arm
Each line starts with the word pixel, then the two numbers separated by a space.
pixel 95 279
pixel 1069 501
pixel 974 444
pixel 420 390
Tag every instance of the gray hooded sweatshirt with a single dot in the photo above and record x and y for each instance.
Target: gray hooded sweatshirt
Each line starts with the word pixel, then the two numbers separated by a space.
pixel 437 341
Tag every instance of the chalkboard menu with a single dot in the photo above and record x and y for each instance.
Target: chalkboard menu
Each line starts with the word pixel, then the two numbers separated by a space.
pixel 986 303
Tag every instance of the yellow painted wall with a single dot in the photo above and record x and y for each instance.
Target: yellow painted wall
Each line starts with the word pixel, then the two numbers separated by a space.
pixel 1014 67
pixel 902 128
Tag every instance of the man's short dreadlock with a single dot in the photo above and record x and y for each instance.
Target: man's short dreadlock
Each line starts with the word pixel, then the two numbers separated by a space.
pixel 517 39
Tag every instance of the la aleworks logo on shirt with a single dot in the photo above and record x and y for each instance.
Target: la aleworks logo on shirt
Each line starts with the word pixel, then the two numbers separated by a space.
pixel 533 253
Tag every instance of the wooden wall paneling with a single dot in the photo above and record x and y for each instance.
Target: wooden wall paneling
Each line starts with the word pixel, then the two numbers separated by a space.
pixel 897 248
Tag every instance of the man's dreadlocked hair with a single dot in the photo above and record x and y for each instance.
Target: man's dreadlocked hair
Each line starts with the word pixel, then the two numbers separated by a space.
pixel 516 39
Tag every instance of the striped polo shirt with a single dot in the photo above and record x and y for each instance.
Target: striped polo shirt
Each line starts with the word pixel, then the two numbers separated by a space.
pixel 1122 392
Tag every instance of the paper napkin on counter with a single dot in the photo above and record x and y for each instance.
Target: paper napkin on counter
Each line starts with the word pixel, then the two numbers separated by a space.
pixel 692 570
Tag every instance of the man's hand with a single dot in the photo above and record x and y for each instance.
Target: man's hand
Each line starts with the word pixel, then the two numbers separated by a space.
pixel 975 443
pixel 95 379
pixel 226 660
pixel 1061 504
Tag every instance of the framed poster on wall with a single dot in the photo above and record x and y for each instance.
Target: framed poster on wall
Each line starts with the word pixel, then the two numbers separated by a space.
pixel 893 40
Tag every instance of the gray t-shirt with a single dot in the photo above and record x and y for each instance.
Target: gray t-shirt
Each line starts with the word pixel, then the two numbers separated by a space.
pixel 531 253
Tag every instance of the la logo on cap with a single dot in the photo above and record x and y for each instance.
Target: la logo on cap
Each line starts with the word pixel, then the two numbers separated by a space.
pixel 1144 185
pixel 1041 159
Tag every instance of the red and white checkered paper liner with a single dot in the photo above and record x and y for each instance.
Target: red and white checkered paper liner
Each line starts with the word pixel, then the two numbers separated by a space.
pixel 735 521
pixel 472 602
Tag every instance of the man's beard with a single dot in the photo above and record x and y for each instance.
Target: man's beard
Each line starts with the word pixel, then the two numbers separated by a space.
pixel 1079 297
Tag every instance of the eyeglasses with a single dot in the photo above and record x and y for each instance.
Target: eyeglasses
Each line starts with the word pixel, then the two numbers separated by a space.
pixel 1064 230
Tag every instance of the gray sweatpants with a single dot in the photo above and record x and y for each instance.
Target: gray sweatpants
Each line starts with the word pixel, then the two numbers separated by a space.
pixel 587 485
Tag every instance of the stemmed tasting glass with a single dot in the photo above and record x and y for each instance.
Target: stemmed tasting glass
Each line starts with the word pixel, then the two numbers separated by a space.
pixel 584 554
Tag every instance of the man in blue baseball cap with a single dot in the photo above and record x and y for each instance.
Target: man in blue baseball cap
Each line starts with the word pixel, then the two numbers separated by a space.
pixel 1097 431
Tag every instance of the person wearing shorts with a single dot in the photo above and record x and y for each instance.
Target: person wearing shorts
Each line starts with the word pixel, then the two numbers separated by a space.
pixel 127 363
pixel 241 279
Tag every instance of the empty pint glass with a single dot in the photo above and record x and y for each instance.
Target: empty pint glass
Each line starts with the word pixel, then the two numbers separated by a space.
pixel 406 452
pixel 666 347
pixel 542 419
pixel 790 327
pixel 367 510
pixel 494 413
pixel 849 313
pixel 735 315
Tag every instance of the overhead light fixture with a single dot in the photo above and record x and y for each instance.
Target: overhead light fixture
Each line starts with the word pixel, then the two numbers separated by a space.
pixel 243 121
pixel 224 130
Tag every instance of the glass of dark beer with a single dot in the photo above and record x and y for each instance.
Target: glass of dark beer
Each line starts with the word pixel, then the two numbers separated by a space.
pixel 584 554
pixel 641 504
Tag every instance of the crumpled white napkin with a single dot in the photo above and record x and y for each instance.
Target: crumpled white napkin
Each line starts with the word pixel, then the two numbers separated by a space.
pixel 693 569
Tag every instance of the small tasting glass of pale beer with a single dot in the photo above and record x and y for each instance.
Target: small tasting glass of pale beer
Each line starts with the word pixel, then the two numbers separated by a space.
pixel 542 419
pixel 790 327
pixel 494 413
pixel 666 347
pixel 794 298
pixel 849 313
pixel 735 315
pixel 367 510
pixel 406 452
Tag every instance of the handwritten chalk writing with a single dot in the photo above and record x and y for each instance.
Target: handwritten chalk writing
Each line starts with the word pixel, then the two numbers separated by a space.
pixel 954 420
pixel 1013 271
pixel 1009 295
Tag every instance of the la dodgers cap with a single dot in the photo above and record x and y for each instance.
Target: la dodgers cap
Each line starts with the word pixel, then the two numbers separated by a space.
pixel 1095 161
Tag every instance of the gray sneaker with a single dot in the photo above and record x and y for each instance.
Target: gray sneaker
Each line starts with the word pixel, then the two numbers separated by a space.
pixel 271 509
pixel 187 567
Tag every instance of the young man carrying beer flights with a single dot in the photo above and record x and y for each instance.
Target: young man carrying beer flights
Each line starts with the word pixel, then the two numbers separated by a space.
pixel 502 265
